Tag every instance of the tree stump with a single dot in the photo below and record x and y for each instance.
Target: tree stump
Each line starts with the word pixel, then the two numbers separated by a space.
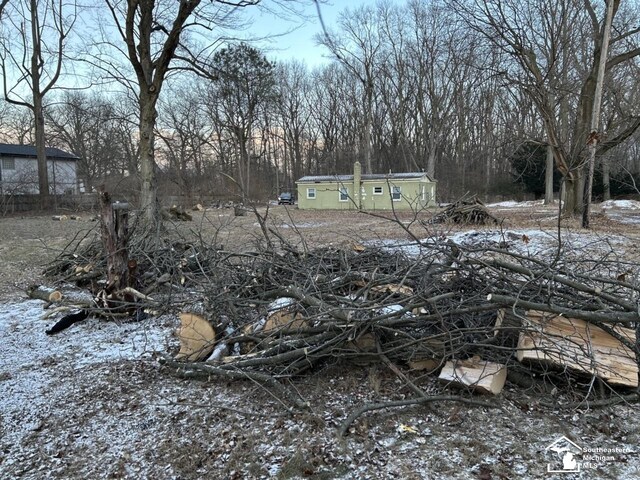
pixel 115 230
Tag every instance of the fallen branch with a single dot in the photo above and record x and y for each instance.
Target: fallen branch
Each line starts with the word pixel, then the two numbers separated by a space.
pixel 609 316
pixel 405 403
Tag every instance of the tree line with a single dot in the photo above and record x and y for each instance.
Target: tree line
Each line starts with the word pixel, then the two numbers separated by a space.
pixel 455 88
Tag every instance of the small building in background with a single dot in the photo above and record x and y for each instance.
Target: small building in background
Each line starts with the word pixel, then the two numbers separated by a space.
pixel 19 170
pixel 392 191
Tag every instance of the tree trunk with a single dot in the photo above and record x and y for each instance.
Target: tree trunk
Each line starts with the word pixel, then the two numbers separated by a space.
pixel 606 178
pixel 367 130
pixel 593 138
pixel 38 113
pixel 43 174
pixel 548 177
pixel 149 188
pixel 431 158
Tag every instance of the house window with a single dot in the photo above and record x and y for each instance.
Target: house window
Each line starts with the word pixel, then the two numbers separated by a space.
pixel 344 194
pixel 378 190
pixel 311 193
pixel 396 194
pixel 8 163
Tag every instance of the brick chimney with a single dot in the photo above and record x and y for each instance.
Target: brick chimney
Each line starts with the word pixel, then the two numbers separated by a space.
pixel 357 184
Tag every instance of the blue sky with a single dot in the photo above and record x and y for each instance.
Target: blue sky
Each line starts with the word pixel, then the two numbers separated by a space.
pixel 300 44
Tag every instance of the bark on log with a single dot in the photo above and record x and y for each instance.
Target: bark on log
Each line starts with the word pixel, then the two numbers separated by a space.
pixel 44 293
pixel 114 230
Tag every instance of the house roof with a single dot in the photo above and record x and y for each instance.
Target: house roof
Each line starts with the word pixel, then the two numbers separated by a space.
pixel 10 150
pixel 366 176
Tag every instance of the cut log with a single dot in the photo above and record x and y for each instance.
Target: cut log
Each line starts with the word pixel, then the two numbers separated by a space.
pixel 283 320
pixel 198 207
pixel 282 316
pixel 44 293
pixel 430 364
pixel 506 322
pixel 580 346
pixel 197 338
pixel 481 376
pixel 59 218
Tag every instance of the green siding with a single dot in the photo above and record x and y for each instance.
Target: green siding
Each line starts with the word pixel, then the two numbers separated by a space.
pixel 328 195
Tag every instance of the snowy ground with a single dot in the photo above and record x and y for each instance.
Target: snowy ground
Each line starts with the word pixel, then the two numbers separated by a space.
pixel 93 402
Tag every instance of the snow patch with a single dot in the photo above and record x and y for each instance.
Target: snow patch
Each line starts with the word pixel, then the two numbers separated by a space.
pixel 514 204
pixel 281 303
pixel 621 204
pixel 32 363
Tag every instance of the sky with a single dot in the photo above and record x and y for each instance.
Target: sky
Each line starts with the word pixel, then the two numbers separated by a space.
pixel 299 44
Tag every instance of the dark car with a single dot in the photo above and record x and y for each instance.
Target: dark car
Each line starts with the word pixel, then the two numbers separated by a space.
pixel 286 198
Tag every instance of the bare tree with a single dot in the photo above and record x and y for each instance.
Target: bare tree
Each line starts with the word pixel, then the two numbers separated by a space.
pixel 294 112
pixel 357 47
pixel 87 125
pixel 595 114
pixel 151 34
pixel 244 81
pixel 184 132
pixel 535 37
pixel 31 57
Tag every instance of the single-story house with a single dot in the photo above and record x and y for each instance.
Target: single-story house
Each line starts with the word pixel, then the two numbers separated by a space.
pixel 19 170
pixel 397 191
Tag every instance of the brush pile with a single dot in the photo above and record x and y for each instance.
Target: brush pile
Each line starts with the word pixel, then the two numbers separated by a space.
pixel 278 312
pixel 467 211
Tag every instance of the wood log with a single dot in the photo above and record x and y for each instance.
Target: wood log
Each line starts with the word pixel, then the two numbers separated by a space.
pixel 506 322
pixel 481 376
pixel 580 346
pixel 44 293
pixel 430 364
pixel 82 269
pixel 197 338
pixel 283 320
pixel 59 218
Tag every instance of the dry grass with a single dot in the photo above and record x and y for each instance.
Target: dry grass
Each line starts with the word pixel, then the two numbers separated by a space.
pixel 27 243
